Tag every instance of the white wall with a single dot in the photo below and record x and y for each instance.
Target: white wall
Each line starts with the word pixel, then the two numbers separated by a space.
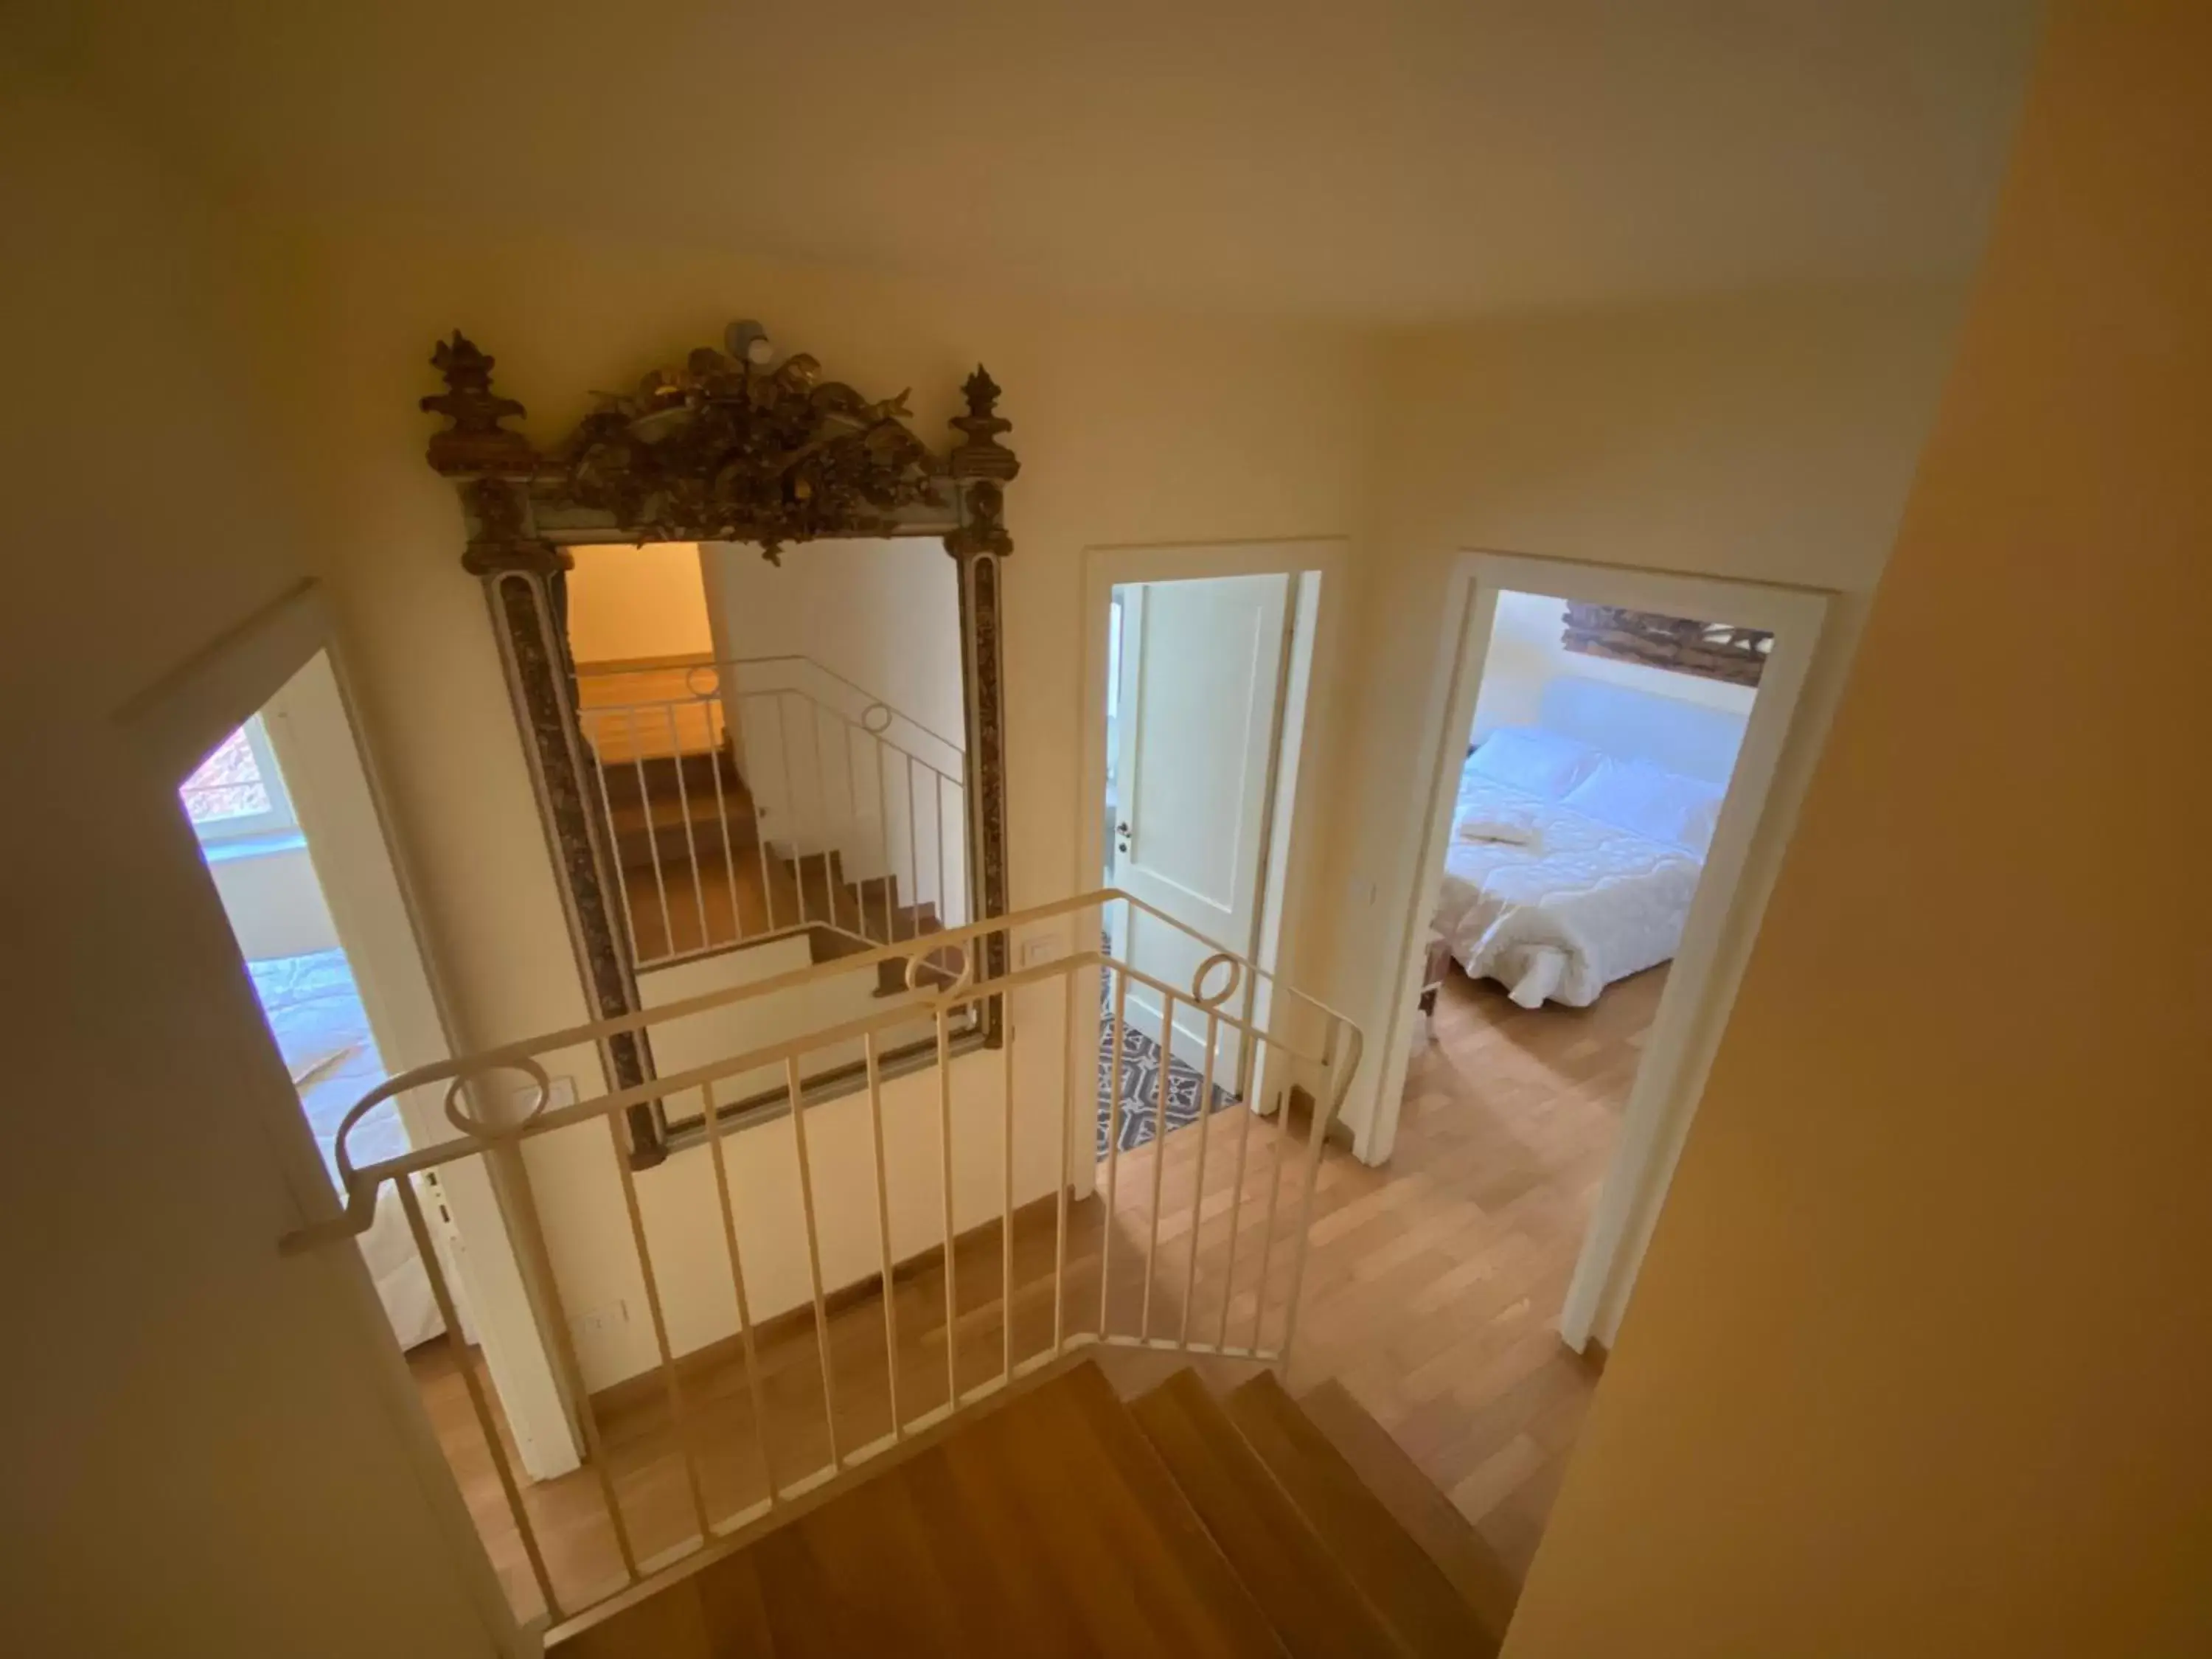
pixel 208 1445
pixel 274 903
pixel 1768 437
pixel 1133 428
pixel 1526 655
pixel 628 602
pixel 883 614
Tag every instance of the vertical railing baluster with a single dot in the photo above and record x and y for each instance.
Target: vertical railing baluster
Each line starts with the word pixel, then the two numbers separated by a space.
pixel 793 1089
pixel 1268 1233
pixel 914 857
pixel 829 883
pixel 944 1151
pixel 722 813
pixel 1245 1044
pixel 443 1294
pixel 888 885
pixel 760 830
pixel 853 828
pixel 1007 1168
pixel 945 915
pixel 1329 1054
pixel 713 1121
pixel 1159 1160
pixel 520 1202
pixel 1198 1191
pixel 884 1229
pixel 1071 1068
pixel 652 835
pixel 791 805
pixel 690 839
pixel 651 1283
pixel 1113 1143
pixel 614 836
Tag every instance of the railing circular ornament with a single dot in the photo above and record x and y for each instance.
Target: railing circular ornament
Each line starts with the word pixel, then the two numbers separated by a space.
pixel 1220 958
pixel 475 1127
pixel 868 719
pixel 713 679
pixel 918 963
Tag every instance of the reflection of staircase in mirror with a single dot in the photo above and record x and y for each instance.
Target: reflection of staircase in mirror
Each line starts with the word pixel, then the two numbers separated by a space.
pixel 697 875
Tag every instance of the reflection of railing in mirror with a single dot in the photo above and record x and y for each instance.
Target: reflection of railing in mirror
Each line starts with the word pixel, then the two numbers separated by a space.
pixel 750 799
pixel 792 1286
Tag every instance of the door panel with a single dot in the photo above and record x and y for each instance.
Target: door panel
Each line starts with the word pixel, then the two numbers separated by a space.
pixel 1201 673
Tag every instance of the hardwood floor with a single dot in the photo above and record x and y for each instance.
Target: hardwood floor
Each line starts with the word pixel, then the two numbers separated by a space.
pixel 1432 1286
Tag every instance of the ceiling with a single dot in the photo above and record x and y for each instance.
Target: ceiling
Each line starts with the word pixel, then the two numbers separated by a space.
pixel 1387 161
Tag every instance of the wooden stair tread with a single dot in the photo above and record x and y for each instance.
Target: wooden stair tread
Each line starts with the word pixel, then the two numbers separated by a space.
pixel 1064 1522
pixel 1192 1551
pixel 808 1616
pixel 992 1562
pixel 1427 1515
pixel 874 1554
pixel 1083 1465
pixel 1404 1586
pixel 1306 1594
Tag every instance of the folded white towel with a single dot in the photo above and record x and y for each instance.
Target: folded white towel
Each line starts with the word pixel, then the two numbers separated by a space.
pixel 1513 828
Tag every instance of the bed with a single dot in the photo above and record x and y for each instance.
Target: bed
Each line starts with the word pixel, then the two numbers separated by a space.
pixel 315 1011
pixel 1568 869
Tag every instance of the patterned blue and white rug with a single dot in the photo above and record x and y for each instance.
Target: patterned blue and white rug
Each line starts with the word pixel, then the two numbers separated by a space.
pixel 1140 1082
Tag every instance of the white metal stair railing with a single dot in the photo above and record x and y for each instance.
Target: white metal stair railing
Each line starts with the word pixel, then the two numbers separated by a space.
pixel 836 812
pixel 1300 1041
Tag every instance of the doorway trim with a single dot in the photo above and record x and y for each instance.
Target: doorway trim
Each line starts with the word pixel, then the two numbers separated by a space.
pixel 1287 869
pixel 1724 916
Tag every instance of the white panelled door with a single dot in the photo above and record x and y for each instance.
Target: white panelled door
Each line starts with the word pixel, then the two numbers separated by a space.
pixel 1200 702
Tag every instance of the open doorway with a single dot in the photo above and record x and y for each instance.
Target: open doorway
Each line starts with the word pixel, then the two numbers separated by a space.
pixel 1205 721
pixel 1606 749
pixel 289 825
pixel 310 994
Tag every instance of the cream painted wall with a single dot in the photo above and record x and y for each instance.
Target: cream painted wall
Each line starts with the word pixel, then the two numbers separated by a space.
pixel 1768 437
pixel 883 614
pixel 207 1444
pixel 630 602
pixel 1919 1362
pixel 1132 428
pixel 1526 655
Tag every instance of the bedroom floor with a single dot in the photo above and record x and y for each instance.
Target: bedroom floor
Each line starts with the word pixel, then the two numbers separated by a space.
pixel 1436 1283
pixel 1432 1288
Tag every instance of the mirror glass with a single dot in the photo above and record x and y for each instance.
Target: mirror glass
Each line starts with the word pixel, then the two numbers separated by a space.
pixel 776 753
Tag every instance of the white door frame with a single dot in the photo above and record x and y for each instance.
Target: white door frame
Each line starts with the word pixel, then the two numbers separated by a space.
pixel 176 722
pixel 1723 919
pixel 1291 848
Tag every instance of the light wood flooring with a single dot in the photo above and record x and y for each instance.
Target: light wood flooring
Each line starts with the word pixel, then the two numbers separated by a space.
pixel 1432 1286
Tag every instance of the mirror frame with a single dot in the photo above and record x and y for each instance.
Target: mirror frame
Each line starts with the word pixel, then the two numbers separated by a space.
pixel 733 447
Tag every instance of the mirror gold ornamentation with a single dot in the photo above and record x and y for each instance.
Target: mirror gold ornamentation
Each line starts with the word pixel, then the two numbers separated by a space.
pixel 739 798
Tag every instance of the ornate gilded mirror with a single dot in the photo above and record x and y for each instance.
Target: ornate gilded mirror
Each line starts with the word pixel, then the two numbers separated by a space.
pixel 821 772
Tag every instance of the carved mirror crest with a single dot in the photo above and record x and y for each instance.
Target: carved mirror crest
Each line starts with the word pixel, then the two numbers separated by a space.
pixel 738 797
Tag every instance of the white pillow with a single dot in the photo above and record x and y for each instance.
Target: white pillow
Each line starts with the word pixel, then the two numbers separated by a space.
pixel 1648 801
pixel 1540 762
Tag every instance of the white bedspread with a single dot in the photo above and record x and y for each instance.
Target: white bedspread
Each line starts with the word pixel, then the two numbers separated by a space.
pixel 1560 921
pixel 315 1013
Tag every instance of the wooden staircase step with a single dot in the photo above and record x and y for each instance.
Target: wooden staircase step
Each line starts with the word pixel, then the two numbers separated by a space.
pixel 1193 1556
pixel 1066 1523
pixel 1428 1517
pixel 872 1546
pixel 1397 1576
pixel 1083 1471
pixel 695 769
pixel 992 1559
pixel 1313 1603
